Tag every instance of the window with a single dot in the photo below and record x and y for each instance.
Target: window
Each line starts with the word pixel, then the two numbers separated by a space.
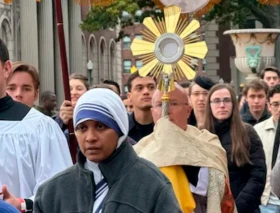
pixel 126 42
pixel 139 64
pixel 139 36
pixel 126 66
pixel 137 17
pixel 204 65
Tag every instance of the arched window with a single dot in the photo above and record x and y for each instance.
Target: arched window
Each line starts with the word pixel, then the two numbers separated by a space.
pixel 112 60
pixel 93 56
pixel 7 37
pixel 4 33
pixel 84 55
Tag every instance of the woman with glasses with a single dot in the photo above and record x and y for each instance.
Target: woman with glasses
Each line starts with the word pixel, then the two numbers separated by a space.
pixel 245 154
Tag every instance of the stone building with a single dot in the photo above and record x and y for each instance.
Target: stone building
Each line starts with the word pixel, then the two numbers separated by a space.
pixel 104 52
pixel 30 32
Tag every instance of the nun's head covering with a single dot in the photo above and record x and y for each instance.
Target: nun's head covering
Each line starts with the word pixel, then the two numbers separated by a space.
pixel 105 106
pixel 204 82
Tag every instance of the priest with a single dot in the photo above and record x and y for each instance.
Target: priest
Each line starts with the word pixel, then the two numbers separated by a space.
pixel 32 146
pixel 193 160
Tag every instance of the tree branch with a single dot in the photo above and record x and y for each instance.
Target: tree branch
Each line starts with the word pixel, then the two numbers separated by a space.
pixel 265 18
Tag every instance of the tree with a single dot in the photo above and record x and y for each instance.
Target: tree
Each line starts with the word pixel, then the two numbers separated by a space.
pixel 103 17
pixel 240 11
pixel 235 11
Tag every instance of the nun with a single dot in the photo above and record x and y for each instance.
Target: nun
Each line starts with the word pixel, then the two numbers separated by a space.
pixel 108 177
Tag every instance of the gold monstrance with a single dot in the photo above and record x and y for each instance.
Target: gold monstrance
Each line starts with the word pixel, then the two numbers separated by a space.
pixel 170 50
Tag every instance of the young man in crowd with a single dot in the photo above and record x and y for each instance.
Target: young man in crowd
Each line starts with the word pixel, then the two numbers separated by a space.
pixel 198 92
pixel 141 90
pixel 256 96
pixel 128 105
pixel 267 131
pixel 48 103
pixel 23 84
pixel 114 85
pixel 32 146
pixel 271 76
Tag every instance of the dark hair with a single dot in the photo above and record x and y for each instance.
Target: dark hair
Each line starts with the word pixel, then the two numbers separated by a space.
pixel 46 95
pixel 81 77
pixel 4 53
pixel 123 97
pixel 20 66
pixel 113 83
pixel 134 76
pixel 238 131
pixel 273 90
pixel 186 84
pixel 103 86
pixel 256 85
pixel 270 69
pixel 240 97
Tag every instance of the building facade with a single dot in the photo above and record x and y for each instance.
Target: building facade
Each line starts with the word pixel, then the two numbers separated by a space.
pixel 128 60
pixel 30 32
pixel 104 52
pixel 218 63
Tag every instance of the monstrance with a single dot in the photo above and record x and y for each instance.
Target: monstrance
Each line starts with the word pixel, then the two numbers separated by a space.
pixel 170 49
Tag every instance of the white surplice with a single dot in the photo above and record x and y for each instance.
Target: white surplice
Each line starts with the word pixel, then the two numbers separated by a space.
pixel 31 151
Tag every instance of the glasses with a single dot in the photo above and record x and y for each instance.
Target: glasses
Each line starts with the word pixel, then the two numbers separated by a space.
pixel 171 105
pixel 225 101
pixel 204 94
pixel 275 105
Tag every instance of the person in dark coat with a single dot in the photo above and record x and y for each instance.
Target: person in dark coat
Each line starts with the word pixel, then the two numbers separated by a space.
pixel 109 177
pixel 246 159
pixel 140 93
pixel 256 96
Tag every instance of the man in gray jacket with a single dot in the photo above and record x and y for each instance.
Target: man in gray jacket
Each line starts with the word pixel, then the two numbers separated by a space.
pixel 275 178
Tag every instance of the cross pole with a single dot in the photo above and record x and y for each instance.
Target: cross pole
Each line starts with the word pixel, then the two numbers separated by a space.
pixel 65 75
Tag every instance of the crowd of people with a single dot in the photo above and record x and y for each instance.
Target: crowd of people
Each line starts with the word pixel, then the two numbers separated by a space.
pixel 215 152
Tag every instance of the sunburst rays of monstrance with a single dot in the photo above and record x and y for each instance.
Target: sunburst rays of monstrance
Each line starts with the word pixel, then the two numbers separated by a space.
pixel 170 49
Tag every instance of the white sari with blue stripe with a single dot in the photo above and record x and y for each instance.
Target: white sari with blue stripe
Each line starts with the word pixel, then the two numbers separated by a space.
pixel 105 106
pixel 101 189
